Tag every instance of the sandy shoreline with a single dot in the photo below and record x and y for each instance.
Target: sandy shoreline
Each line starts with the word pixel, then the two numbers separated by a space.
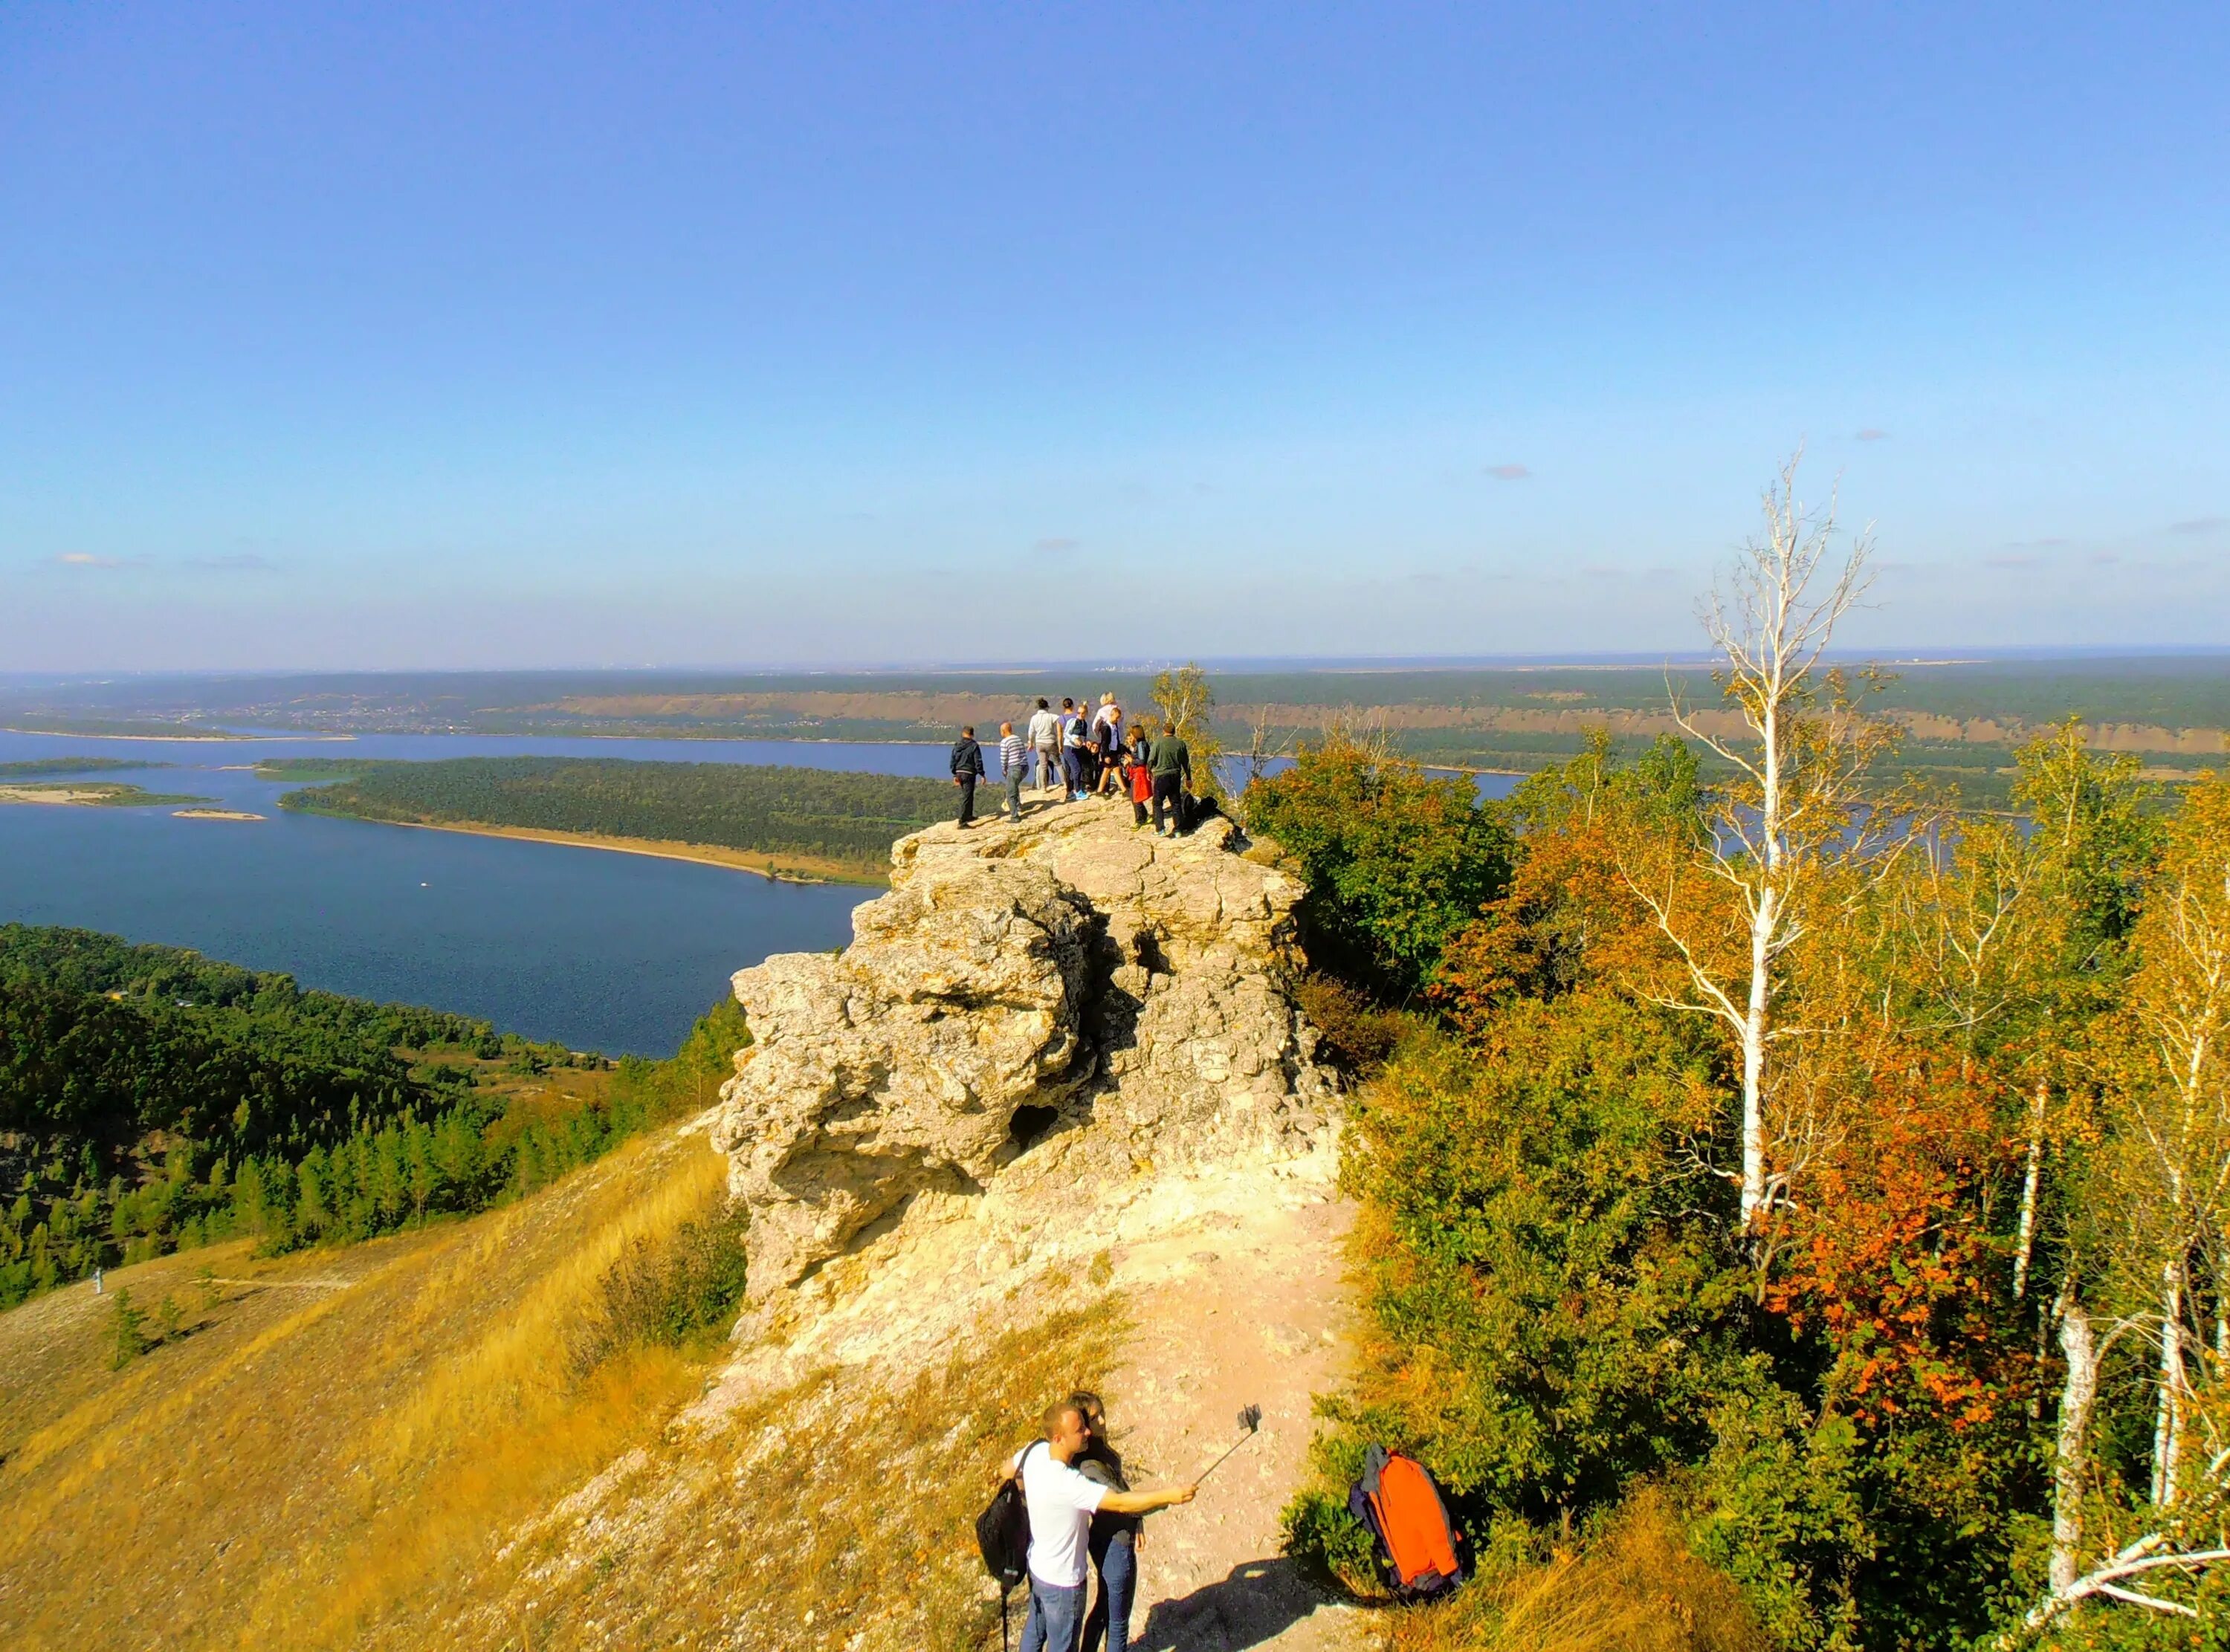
pixel 775 869
pixel 216 814
pixel 214 739
pixel 53 794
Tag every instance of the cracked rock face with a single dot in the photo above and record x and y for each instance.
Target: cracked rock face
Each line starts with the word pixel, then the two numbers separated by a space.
pixel 1070 977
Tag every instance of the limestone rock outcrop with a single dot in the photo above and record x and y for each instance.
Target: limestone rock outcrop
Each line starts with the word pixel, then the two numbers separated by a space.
pixel 1068 981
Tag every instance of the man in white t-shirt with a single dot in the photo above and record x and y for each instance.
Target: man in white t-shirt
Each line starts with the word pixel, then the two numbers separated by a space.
pixel 1045 740
pixel 1062 1503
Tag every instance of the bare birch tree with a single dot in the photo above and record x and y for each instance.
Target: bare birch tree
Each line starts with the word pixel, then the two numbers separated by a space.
pixel 1791 815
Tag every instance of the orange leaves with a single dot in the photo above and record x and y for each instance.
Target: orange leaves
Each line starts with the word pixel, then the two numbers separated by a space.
pixel 1885 1256
pixel 1569 920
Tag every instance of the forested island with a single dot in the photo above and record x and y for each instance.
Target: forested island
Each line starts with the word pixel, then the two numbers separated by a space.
pixel 805 823
pixel 153 1099
pixel 41 767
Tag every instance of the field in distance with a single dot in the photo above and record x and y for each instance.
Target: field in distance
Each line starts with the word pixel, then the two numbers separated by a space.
pixel 801 823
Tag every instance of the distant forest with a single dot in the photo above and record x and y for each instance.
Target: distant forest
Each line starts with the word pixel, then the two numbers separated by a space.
pixel 1963 719
pixel 153 1099
pixel 847 818
pixel 33 768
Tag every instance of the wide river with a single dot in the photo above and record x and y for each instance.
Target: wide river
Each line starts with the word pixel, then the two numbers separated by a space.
pixel 594 950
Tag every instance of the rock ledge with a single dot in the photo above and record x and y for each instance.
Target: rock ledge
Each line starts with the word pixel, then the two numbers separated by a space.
pixel 1070 1002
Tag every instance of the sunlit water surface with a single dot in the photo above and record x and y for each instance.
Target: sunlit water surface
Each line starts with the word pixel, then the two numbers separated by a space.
pixel 597 950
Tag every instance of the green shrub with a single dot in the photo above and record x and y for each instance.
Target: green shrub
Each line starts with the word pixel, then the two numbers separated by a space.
pixel 1395 862
pixel 128 1332
pixel 675 1292
pixel 1777 1506
pixel 1358 1035
pixel 1321 1534
pixel 1553 1310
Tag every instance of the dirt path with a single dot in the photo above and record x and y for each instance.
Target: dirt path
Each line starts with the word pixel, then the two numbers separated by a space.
pixel 1241 1310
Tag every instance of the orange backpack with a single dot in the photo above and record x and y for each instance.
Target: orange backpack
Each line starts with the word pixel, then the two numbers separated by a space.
pixel 1396 1499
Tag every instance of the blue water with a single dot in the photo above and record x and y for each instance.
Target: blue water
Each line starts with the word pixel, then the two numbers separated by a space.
pixel 594 950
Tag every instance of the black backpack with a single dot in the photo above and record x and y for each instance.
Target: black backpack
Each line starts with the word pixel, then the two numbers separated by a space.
pixel 1002 1530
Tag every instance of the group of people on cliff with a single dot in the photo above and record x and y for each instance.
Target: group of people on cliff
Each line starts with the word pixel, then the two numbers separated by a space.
pixel 1084 1518
pixel 1080 753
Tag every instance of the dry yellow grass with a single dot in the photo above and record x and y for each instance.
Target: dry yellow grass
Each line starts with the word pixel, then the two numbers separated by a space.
pixel 1635 1589
pixel 838 1514
pixel 364 1447
pixel 346 1433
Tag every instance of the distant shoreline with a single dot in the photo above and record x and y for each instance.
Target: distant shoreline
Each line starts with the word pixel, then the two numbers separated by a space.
pixel 775 869
pixel 66 734
pixel 216 739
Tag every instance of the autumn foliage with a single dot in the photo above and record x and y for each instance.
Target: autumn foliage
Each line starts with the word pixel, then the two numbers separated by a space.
pixel 1996 1085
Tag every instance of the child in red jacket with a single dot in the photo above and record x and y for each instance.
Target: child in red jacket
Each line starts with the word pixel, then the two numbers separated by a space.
pixel 1141 778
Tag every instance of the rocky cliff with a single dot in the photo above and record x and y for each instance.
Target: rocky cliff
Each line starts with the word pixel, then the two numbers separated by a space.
pixel 1067 1003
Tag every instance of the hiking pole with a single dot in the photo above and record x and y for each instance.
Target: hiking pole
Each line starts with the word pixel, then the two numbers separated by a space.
pixel 1249 1420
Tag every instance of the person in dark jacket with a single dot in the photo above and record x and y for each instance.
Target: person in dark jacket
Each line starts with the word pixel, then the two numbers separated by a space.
pixel 1113 1543
pixel 1138 771
pixel 967 769
pixel 1172 766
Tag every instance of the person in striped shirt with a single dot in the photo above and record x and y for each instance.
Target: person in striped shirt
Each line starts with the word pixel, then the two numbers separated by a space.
pixel 1014 763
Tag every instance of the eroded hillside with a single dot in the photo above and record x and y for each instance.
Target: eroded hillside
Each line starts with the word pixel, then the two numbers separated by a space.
pixel 1051 1120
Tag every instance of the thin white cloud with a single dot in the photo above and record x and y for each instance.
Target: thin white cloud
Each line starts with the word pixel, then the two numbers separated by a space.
pixel 1056 542
pixel 1872 434
pixel 1508 473
pixel 2200 524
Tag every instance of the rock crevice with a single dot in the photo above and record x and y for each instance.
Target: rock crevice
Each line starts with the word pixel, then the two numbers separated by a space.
pixel 1069 980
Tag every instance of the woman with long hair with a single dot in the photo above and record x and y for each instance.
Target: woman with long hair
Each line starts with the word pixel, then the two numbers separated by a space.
pixel 1113 1544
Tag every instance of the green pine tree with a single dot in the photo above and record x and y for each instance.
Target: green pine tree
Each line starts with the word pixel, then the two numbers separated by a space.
pixel 129 1332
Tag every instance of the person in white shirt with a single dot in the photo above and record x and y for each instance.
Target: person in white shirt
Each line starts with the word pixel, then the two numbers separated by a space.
pixel 1107 735
pixel 1045 740
pixel 1062 1504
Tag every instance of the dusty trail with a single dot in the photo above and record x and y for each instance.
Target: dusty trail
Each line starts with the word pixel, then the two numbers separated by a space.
pixel 1245 1306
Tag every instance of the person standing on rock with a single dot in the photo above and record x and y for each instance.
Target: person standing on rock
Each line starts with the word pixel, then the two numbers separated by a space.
pixel 1075 741
pixel 967 769
pixel 1172 766
pixel 1109 722
pixel 1013 769
pixel 1045 740
pixel 1139 771
pixel 1113 1543
pixel 1061 1502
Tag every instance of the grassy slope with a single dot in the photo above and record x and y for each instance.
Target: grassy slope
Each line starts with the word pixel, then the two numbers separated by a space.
pixel 344 1427
pixel 338 1452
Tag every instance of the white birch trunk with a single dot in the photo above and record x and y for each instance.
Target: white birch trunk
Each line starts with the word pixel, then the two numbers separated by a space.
pixel 1753 1049
pixel 2025 1247
pixel 1765 918
pixel 2168 1419
pixel 2070 1464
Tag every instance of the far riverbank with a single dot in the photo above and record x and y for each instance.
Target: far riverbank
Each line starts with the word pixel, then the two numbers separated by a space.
pixel 779 869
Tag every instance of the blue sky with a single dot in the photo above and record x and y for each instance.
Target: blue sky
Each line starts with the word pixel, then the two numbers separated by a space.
pixel 363 335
